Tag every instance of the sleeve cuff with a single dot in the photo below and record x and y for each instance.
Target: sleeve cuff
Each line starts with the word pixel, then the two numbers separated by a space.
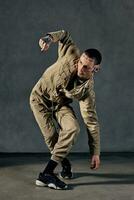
pixel 56 36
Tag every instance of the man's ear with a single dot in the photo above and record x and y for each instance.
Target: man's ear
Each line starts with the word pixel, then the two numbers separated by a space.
pixel 97 68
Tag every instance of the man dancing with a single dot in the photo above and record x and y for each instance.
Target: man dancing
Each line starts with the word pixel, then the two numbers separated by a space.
pixel 69 78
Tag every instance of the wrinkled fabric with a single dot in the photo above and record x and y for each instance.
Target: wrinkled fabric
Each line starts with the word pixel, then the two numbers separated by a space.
pixel 51 90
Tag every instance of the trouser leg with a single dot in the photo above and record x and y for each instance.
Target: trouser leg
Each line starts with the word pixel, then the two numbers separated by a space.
pixel 67 134
pixel 45 121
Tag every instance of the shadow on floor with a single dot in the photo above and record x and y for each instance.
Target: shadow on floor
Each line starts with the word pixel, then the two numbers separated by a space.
pixel 117 178
pixel 106 175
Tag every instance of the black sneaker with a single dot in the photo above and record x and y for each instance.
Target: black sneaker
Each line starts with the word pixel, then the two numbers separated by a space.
pixel 66 172
pixel 51 181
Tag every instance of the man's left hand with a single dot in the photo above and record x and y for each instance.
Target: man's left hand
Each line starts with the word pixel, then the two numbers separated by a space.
pixel 95 162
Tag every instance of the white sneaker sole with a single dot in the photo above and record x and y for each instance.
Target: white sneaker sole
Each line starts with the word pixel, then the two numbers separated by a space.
pixel 50 185
pixel 40 183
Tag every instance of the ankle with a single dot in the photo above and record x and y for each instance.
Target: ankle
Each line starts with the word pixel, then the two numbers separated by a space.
pixel 49 169
pixel 65 162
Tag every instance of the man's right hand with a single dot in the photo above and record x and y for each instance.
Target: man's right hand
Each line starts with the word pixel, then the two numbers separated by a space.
pixel 43 45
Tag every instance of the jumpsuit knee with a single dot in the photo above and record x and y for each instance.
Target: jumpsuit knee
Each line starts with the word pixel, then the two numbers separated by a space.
pixel 44 119
pixel 67 134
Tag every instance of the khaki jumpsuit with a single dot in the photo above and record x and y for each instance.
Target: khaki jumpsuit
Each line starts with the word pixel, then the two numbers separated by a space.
pixel 50 100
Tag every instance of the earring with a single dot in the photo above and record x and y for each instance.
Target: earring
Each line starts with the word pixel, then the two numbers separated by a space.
pixel 96 69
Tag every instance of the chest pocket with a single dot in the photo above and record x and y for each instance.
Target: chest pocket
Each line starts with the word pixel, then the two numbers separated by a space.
pixel 66 70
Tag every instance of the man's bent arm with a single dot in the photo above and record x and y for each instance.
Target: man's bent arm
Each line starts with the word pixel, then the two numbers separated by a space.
pixel 65 43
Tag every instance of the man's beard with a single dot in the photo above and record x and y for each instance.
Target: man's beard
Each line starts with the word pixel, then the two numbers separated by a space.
pixel 84 77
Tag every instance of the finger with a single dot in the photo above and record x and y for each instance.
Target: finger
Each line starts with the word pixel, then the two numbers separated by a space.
pixel 40 42
pixel 41 46
pixel 92 165
pixel 97 164
pixel 45 47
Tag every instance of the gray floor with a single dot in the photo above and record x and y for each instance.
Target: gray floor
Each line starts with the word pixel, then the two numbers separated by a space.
pixel 113 181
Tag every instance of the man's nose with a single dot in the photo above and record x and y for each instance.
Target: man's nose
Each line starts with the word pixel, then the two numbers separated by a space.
pixel 82 69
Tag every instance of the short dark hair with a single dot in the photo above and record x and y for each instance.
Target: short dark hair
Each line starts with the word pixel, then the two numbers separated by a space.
pixel 95 54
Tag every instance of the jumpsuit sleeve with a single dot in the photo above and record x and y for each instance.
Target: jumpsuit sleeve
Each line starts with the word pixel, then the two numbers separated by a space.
pixel 66 46
pixel 89 114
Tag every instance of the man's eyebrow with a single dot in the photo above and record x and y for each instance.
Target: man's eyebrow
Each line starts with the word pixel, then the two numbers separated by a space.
pixel 91 59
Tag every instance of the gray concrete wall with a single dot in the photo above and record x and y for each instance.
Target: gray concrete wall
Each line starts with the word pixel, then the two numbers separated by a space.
pixel 104 24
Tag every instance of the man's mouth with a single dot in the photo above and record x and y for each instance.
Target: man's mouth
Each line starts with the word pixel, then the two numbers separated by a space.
pixel 81 73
